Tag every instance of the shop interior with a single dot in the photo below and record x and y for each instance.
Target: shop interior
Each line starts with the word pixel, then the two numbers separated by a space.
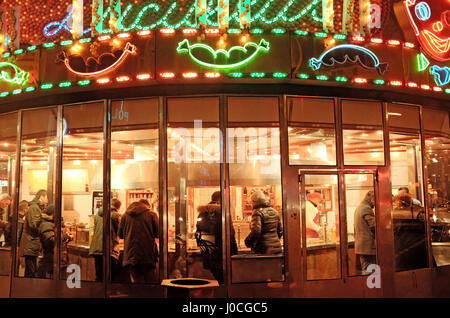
pixel 194 173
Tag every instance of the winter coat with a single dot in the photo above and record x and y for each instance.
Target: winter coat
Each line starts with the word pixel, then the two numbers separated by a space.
pixel 47 237
pixel 139 228
pixel 364 221
pixel 265 231
pixel 96 247
pixel 31 243
pixel 209 227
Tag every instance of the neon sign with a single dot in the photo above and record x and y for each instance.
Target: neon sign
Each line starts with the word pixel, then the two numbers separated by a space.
pixel 195 52
pixel 431 23
pixel 422 62
pixel 188 20
pixel 350 53
pixel 92 67
pixel 11 73
pixel 441 74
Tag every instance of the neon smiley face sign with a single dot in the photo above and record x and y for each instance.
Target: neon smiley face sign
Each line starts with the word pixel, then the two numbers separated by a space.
pixel 430 20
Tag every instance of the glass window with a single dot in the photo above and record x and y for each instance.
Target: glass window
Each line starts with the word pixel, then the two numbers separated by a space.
pixel 407 206
pixel 362 133
pixel 253 156
pixel 37 188
pixel 361 224
pixel 134 224
pixel 437 161
pixel 401 116
pixel 8 144
pixel 311 131
pixel 321 226
pixel 82 188
pixel 194 197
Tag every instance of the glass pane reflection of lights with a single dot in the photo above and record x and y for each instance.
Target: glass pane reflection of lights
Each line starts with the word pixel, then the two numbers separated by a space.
pixel 82 181
pixel 312 146
pixel 37 188
pixel 408 213
pixel 437 160
pixel 363 147
pixel 322 227
pixel 134 184
pixel 8 144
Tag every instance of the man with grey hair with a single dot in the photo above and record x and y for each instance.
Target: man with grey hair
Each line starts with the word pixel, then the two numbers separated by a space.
pixel 5 224
pixel 364 221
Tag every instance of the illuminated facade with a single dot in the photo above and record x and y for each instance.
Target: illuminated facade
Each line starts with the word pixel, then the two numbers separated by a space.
pixel 298 98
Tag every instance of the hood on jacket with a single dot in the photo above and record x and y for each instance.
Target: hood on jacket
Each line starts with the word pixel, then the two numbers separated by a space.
pixel 46 217
pixel 35 201
pixel 209 208
pixel 136 208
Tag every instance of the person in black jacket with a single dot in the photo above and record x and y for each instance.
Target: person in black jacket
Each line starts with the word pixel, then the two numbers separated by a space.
pixel 265 227
pixel 209 236
pixel 139 228
pixel 47 238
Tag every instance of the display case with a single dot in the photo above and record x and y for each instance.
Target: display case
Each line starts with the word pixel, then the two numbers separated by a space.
pixel 134 195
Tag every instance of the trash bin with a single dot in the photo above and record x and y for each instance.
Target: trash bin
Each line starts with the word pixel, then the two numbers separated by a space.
pixel 190 287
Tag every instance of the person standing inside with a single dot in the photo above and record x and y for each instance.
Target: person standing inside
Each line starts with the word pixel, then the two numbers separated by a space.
pixel 96 247
pixel 139 228
pixel 47 237
pixel 23 207
pixel 31 242
pixel 5 219
pixel 115 248
pixel 313 200
pixel 265 227
pixel 364 220
pixel 209 236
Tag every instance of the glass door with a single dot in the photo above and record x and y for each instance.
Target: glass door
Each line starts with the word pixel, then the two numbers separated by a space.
pixel 319 202
pixel 338 226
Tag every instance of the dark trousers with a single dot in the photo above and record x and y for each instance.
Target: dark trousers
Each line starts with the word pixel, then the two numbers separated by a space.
pixel 142 273
pixel 30 266
pixel 98 259
pixel 45 266
pixel 366 260
pixel 218 274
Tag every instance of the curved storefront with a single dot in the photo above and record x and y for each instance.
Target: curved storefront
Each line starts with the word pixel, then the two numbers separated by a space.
pixel 340 118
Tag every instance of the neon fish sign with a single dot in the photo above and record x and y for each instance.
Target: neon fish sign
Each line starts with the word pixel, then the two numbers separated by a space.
pixel 344 53
pixel 11 73
pixel 195 53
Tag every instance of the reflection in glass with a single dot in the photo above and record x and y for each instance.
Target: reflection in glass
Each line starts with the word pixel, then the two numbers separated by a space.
pixel 193 152
pixel 361 225
pixel 135 198
pixel 82 182
pixel 254 165
pixel 312 138
pixel 362 133
pixel 363 147
pixel 37 186
pixel 8 144
pixel 437 160
pixel 322 227
pixel 312 146
pixel 407 206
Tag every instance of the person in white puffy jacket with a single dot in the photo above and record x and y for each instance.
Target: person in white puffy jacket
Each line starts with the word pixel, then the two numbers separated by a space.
pixel 312 214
